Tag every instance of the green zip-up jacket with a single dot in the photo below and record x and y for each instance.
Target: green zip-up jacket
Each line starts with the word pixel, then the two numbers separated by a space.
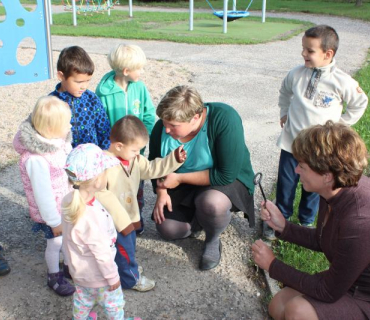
pixel 117 103
pixel 231 158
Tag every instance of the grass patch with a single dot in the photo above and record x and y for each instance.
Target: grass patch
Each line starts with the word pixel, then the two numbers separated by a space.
pixel 296 256
pixel 343 8
pixel 337 8
pixel 362 126
pixel 174 27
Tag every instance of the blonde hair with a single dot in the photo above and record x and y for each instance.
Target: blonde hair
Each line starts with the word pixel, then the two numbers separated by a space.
pixel 180 104
pixel 76 208
pixel 335 148
pixel 129 57
pixel 49 115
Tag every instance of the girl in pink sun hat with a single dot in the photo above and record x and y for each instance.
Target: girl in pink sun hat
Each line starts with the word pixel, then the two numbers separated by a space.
pixel 90 236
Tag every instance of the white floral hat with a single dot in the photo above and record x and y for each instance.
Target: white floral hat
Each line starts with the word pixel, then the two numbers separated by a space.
pixel 87 161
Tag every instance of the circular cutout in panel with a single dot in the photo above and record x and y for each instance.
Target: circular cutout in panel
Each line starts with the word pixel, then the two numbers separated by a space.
pixel 20 22
pixel 2 12
pixel 26 51
pixel 30 5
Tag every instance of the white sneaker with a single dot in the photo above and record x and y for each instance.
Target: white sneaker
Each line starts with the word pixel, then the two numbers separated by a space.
pixel 144 284
pixel 268 232
pixel 140 269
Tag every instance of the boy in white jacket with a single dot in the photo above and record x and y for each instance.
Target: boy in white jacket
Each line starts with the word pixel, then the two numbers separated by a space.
pixel 312 94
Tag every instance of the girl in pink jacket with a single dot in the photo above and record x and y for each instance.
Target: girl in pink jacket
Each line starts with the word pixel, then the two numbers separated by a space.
pixel 90 236
pixel 43 142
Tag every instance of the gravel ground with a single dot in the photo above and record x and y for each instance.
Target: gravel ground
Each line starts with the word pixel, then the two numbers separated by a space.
pixel 246 77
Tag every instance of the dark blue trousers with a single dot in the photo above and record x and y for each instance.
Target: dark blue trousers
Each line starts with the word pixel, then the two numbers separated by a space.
pixel 125 260
pixel 286 188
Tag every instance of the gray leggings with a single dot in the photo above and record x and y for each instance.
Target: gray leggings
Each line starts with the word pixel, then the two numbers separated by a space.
pixel 212 211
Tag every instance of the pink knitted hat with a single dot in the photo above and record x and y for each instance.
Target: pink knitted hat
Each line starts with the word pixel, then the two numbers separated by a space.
pixel 87 161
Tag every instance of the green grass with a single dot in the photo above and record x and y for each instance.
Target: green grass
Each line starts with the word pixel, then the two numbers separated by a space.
pixel 362 127
pixel 337 8
pixel 174 27
pixel 327 7
pixel 300 258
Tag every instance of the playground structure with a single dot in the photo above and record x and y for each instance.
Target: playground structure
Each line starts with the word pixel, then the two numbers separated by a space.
pixel 90 7
pixel 225 14
pixel 231 15
pixel 21 27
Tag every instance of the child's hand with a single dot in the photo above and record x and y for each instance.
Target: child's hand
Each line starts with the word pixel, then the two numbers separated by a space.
pixel 115 286
pixel 180 154
pixel 283 120
pixel 57 231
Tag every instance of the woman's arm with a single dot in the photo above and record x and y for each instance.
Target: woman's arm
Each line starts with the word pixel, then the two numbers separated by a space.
pixel 172 180
pixel 351 255
pixel 230 154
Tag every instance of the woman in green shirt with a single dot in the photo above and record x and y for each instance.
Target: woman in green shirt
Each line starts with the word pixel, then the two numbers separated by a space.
pixel 216 178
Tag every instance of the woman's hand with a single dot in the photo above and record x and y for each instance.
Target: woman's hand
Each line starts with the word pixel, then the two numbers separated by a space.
pixel 163 199
pixel 57 231
pixel 180 154
pixel 272 215
pixel 170 181
pixel 262 254
pixel 115 286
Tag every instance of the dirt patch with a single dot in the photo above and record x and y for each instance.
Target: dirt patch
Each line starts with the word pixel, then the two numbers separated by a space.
pixel 182 291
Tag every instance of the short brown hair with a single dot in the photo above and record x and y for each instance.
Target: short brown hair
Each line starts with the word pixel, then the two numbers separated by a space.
pixel 328 36
pixel 75 60
pixel 128 129
pixel 332 147
pixel 180 104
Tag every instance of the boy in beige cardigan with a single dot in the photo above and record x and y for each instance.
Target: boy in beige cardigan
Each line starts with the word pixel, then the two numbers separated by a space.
pixel 128 137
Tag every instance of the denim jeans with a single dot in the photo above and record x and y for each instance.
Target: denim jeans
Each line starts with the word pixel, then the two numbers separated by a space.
pixel 126 260
pixel 286 188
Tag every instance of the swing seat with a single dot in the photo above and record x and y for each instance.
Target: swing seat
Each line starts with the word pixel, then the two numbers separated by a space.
pixel 231 15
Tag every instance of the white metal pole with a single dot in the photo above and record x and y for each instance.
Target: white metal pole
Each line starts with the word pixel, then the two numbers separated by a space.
pixel 50 13
pixel 130 8
pixel 225 16
pixel 74 14
pixel 263 11
pixel 191 15
pixel 47 5
pixel 234 5
pixel 108 4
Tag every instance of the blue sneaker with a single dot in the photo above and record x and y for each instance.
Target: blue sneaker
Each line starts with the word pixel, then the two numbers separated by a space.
pixel 4 266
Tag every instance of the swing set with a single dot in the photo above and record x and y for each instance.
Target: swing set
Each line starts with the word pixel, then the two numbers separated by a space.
pixel 226 15
pixel 231 14
pixel 91 6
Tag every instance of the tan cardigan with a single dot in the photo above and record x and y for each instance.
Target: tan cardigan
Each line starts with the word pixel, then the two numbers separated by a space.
pixel 119 198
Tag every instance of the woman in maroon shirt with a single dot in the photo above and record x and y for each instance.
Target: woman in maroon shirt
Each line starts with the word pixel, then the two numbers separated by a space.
pixel 331 159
